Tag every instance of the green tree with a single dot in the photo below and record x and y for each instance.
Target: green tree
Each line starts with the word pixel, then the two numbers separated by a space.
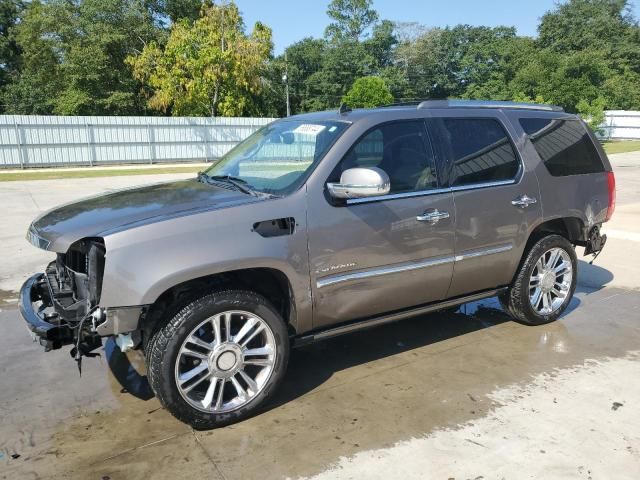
pixel 592 113
pixel 351 19
pixel 341 66
pixel 73 57
pixel 461 61
pixel 181 9
pixel 34 88
pixel 10 12
pixel 586 25
pixel 210 67
pixel 368 92
pixel 303 59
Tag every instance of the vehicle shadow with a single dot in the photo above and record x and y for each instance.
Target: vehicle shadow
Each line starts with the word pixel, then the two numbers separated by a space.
pixel 313 365
pixel 592 278
pixel 126 372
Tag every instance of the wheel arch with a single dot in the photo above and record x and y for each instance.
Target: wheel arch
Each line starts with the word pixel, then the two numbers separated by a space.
pixel 571 228
pixel 271 283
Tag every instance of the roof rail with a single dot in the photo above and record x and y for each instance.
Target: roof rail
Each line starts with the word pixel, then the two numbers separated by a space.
pixel 487 104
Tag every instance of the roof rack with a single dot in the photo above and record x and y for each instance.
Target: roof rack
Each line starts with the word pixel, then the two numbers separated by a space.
pixel 487 104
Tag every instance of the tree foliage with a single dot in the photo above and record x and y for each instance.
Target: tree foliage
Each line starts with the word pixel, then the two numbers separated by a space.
pixel 195 57
pixel 368 92
pixel 350 19
pixel 210 67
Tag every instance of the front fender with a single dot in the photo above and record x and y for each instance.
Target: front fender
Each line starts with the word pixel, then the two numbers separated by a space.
pixel 143 262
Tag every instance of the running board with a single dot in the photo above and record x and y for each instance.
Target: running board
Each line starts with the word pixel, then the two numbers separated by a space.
pixel 392 317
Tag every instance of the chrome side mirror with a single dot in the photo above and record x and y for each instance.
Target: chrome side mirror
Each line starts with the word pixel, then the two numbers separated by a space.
pixel 360 183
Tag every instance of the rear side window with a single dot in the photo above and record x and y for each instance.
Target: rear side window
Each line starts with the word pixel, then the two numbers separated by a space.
pixel 563 145
pixel 478 149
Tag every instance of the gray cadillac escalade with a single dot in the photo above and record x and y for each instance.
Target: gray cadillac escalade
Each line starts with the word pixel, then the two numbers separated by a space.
pixel 318 225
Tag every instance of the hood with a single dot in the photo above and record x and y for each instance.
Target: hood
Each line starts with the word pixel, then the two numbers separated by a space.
pixel 57 229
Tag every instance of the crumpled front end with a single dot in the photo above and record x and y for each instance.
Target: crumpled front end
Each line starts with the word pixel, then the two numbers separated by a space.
pixel 60 305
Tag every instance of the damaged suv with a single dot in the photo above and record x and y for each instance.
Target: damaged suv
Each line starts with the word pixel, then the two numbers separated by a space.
pixel 318 225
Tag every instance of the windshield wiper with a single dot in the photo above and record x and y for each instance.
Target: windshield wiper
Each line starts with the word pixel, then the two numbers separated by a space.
pixel 238 183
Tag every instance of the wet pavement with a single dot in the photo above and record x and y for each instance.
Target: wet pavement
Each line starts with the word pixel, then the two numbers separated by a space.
pixel 360 393
pixel 363 391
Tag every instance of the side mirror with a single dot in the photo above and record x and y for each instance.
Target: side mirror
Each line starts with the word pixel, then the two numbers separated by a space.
pixel 360 183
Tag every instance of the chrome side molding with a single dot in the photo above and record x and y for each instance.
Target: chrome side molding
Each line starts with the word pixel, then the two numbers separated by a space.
pixel 407 267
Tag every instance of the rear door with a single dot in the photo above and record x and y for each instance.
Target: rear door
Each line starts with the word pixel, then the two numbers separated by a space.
pixel 375 255
pixel 496 198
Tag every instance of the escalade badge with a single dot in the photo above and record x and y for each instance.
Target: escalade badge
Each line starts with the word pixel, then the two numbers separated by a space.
pixel 332 268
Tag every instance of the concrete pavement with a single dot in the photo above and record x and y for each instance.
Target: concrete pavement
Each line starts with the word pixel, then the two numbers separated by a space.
pixel 463 395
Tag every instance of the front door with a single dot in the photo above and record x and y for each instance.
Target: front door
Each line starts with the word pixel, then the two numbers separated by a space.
pixel 386 253
pixel 496 198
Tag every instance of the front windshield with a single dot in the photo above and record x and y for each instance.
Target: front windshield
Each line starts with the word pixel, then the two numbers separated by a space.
pixel 276 158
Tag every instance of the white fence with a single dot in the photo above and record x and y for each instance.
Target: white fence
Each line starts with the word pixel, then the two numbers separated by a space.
pixel 620 125
pixel 28 141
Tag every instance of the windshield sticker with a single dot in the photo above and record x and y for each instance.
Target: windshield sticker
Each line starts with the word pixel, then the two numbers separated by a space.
pixel 309 129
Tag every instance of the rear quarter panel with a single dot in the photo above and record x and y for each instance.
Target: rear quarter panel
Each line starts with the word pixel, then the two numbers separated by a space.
pixel 580 196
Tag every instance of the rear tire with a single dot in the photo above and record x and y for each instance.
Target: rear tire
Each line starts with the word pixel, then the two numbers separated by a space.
pixel 545 282
pixel 219 359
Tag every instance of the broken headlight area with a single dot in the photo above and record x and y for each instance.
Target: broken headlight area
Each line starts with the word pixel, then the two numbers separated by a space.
pixel 65 298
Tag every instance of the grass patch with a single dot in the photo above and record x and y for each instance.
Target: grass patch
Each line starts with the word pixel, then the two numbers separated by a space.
pixel 93 172
pixel 621 147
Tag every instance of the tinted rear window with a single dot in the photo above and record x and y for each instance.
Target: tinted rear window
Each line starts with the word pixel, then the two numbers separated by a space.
pixel 478 149
pixel 563 145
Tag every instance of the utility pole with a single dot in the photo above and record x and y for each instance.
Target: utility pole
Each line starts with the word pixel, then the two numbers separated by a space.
pixel 285 79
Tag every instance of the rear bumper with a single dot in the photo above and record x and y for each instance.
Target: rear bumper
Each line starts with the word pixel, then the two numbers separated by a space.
pixel 42 320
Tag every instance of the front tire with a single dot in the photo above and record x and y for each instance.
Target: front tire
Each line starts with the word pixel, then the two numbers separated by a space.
pixel 545 282
pixel 219 359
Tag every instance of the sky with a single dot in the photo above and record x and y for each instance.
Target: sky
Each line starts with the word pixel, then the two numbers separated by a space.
pixel 293 20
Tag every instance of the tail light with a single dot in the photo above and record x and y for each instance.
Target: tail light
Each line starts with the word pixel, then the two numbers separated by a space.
pixel 611 183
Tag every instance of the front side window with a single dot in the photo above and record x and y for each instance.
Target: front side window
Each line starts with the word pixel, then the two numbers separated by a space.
pixel 478 150
pixel 276 158
pixel 400 149
pixel 563 145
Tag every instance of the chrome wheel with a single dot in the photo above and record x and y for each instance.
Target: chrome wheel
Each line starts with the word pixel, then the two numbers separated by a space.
pixel 550 281
pixel 225 361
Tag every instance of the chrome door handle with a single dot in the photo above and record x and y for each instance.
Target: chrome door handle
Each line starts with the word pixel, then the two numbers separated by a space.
pixel 432 216
pixel 523 201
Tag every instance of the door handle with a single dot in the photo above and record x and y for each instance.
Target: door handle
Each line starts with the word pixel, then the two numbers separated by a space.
pixel 523 201
pixel 432 216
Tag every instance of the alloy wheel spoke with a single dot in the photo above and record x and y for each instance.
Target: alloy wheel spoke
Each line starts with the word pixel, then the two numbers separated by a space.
pixel 185 377
pixel 253 386
pixel 561 269
pixel 242 394
pixel 199 342
pixel 215 322
pixel 535 298
pixel 220 395
pixel 558 293
pixel 266 350
pixel 261 362
pixel 227 326
pixel 246 328
pixel 208 397
pixel 553 259
pixel 252 336
pixel 196 383
pixel 546 302
pixel 193 353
